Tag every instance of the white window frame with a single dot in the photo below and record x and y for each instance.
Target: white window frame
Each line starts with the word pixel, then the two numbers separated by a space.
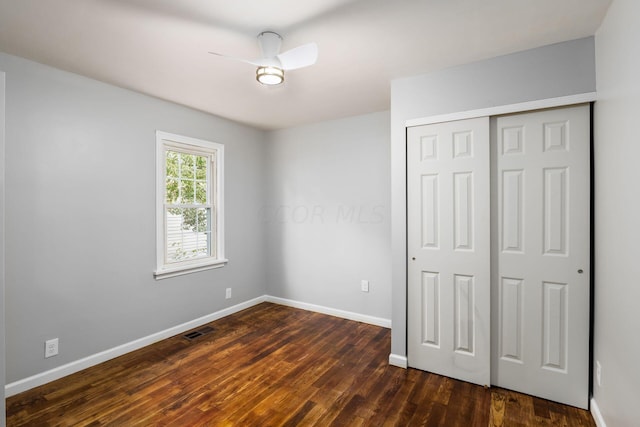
pixel 166 141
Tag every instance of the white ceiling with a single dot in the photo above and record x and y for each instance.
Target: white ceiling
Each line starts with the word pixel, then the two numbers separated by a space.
pixel 159 47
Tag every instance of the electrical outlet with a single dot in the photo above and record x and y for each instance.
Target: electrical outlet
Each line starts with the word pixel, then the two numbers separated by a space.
pixel 51 348
pixel 598 373
pixel 364 285
pixel 228 293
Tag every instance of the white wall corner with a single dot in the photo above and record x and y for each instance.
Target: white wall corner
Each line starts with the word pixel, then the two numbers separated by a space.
pixel 399 361
pixel 597 415
pixel 349 315
pixel 28 383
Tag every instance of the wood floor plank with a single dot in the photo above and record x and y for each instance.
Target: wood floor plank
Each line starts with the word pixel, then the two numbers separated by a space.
pixel 272 365
pixel 498 407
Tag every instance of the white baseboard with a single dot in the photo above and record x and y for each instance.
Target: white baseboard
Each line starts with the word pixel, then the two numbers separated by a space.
pixel 399 361
pixel 597 415
pixel 372 320
pixel 95 359
pixel 28 383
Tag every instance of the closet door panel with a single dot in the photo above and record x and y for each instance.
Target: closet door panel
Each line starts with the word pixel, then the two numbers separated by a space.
pixel 449 249
pixel 541 258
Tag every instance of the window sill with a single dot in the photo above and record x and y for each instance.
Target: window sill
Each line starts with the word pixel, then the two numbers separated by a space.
pixel 188 269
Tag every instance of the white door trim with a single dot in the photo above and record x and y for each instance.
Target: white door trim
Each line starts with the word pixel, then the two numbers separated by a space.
pixel 504 109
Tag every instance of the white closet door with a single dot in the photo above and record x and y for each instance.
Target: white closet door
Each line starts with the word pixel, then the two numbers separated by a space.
pixel 541 279
pixel 449 249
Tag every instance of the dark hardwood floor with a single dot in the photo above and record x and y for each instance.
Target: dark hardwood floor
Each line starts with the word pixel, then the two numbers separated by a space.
pixel 272 365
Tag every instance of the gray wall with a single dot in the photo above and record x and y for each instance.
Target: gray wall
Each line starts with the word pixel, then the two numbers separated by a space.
pixel 328 218
pixel 307 211
pixel 547 72
pixel 617 150
pixel 2 323
pixel 80 217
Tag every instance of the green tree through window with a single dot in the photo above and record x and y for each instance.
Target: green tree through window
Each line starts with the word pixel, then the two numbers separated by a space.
pixel 188 216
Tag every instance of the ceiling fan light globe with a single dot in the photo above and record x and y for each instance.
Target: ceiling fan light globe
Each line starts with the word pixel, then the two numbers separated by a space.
pixel 270 75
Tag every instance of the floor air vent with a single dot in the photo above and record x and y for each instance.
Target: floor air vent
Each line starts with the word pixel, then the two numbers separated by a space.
pixel 198 333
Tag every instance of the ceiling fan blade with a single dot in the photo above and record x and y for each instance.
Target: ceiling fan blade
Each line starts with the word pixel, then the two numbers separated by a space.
pixel 299 57
pixel 263 62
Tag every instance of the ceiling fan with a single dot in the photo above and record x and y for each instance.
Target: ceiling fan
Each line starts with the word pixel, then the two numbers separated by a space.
pixel 273 64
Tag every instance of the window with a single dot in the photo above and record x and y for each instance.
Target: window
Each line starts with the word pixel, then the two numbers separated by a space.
pixel 188 204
